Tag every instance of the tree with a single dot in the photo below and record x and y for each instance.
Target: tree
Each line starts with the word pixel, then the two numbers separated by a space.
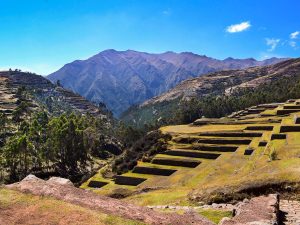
pixel 58 83
pixel 17 156
pixel 3 122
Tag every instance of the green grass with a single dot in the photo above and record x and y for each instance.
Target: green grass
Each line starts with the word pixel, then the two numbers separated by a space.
pixel 215 215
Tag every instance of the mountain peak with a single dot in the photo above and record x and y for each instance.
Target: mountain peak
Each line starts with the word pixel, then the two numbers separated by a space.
pixel 123 78
pixel 228 59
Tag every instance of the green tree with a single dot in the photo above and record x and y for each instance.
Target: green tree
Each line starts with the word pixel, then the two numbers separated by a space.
pixel 3 122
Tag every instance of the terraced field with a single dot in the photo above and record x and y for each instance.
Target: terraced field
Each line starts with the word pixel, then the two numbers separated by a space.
pixel 42 89
pixel 210 158
pixel 8 101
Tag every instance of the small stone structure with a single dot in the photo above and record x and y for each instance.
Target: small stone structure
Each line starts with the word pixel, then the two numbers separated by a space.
pixel 261 210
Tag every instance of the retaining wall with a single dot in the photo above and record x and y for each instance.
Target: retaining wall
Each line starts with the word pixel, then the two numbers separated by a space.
pixel 97 184
pixel 290 128
pixel 215 148
pixel 259 128
pixel 278 136
pixel 125 180
pixel 153 171
pixel 193 154
pixel 176 162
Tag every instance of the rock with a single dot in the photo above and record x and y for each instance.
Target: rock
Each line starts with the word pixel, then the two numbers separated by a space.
pixel 61 189
pixel 261 210
pixel 59 180
pixel 246 200
pixel 225 219
pixel 214 205
pixel 30 177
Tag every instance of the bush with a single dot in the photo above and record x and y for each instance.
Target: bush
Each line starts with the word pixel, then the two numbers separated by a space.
pixel 273 155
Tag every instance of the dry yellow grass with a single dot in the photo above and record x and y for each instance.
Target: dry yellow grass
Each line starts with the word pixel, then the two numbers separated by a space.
pixel 230 172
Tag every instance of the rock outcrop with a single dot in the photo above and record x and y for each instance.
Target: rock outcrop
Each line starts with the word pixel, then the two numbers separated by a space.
pixel 261 210
pixel 63 189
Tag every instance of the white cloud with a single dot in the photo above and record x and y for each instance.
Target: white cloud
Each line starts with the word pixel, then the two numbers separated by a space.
pixel 167 12
pixel 293 44
pixel 294 35
pixel 268 55
pixel 238 27
pixel 272 42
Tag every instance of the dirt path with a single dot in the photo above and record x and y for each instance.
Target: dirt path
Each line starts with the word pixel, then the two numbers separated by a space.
pixel 291 211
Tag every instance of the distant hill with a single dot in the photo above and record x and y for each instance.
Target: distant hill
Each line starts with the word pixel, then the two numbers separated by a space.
pixel 121 79
pixel 223 83
pixel 44 94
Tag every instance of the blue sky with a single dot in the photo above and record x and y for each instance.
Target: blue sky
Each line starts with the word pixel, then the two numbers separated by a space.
pixel 43 35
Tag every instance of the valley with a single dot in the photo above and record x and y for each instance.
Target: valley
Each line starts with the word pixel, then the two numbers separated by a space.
pixel 207 167
pixel 218 94
pixel 169 112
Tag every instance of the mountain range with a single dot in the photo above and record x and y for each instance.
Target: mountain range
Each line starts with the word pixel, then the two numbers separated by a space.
pixel 121 79
pixel 221 83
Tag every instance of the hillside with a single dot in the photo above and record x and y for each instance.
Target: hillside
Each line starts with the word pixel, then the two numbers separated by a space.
pixel 48 130
pixel 43 93
pixel 121 79
pixel 224 84
pixel 90 208
pixel 253 152
pixel 58 201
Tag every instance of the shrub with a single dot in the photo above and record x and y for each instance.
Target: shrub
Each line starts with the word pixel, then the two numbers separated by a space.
pixel 273 155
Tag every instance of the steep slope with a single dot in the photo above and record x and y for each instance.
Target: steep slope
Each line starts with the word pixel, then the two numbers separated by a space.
pixel 43 93
pixel 42 125
pixel 223 83
pixel 124 78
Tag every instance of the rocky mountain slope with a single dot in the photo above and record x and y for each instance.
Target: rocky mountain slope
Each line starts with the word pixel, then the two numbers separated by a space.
pixel 121 79
pixel 223 83
pixel 229 80
pixel 43 94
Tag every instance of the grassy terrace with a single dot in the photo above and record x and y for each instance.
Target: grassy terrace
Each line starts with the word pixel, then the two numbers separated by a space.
pixel 276 162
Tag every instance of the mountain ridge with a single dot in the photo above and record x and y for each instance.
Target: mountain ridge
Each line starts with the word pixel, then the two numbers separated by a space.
pixel 121 79
pixel 222 83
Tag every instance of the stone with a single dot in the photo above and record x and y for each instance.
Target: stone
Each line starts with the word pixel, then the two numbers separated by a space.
pixel 30 177
pixel 262 210
pixel 59 180
pixel 246 200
